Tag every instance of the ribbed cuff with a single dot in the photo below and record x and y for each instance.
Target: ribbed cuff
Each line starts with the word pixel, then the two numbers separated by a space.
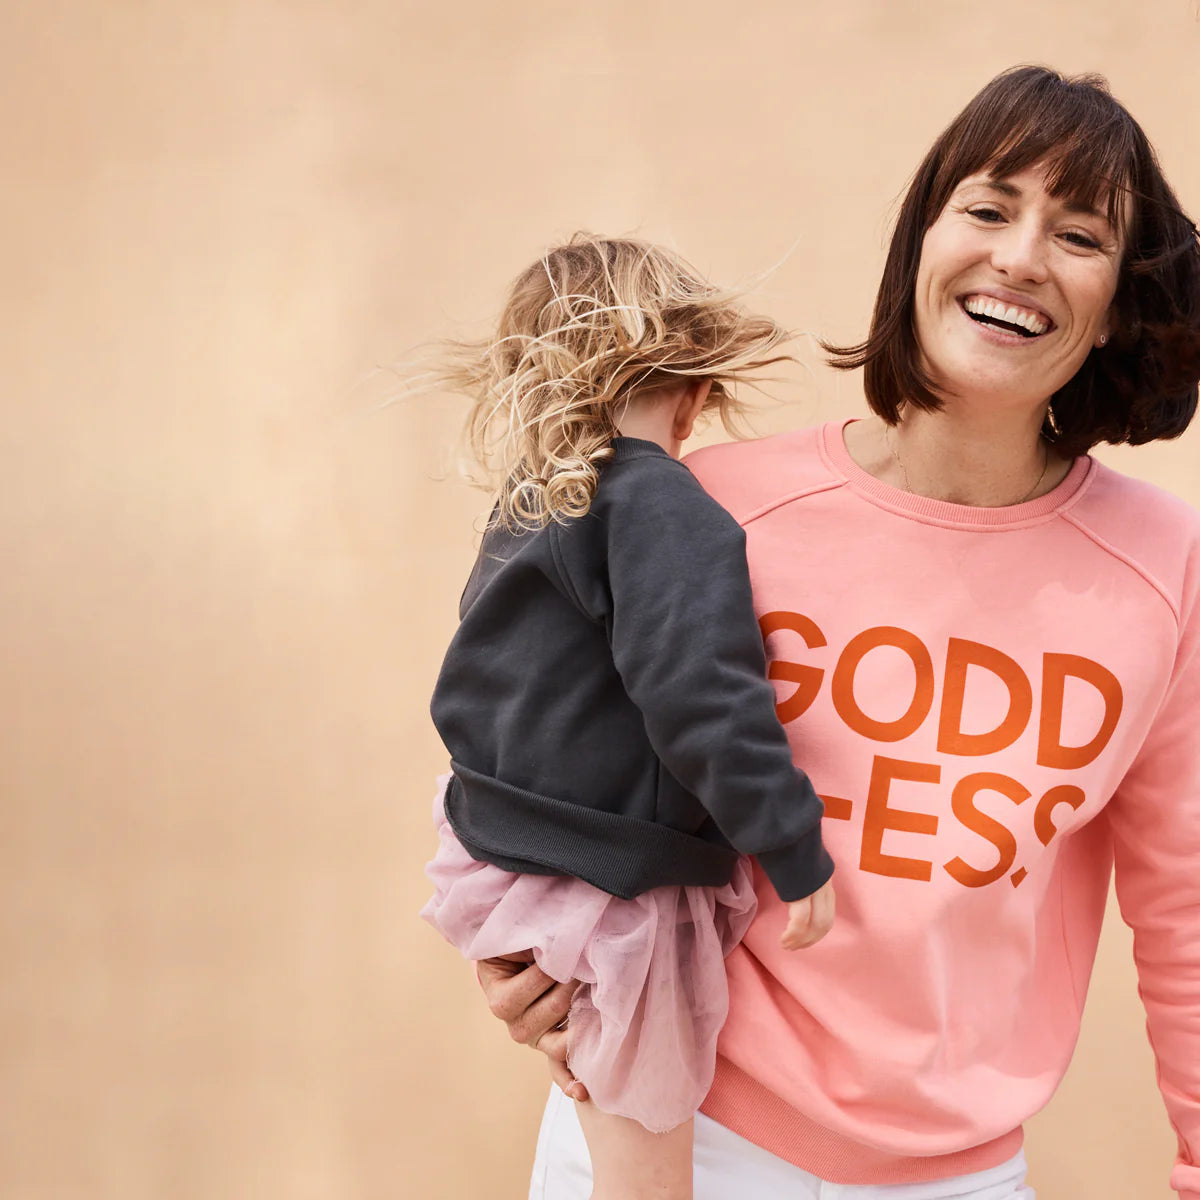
pixel 800 869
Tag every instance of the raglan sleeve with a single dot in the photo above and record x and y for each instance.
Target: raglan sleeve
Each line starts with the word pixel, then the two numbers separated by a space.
pixel 1155 819
pixel 686 643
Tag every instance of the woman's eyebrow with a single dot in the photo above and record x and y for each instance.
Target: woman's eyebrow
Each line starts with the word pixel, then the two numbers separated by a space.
pixel 1005 188
pixel 1000 185
pixel 1085 210
pixel 991 183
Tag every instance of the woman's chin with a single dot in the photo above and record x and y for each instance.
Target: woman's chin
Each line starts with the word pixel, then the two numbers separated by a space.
pixel 977 383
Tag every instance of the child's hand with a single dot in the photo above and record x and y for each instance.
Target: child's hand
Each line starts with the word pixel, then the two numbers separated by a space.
pixel 809 920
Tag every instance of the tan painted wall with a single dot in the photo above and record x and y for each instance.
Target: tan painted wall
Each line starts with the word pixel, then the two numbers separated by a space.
pixel 229 576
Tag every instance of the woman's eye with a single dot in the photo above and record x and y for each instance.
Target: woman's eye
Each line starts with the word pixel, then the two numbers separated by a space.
pixel 1081 239
pixel 991 215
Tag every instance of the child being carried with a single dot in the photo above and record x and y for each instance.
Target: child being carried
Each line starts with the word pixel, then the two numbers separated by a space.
pixel 614 747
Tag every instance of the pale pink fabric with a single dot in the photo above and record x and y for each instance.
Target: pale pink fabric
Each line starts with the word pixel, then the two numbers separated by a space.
pixel 642 1032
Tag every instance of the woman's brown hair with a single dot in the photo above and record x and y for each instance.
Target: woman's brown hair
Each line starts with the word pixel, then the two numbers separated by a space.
pixel 1143 384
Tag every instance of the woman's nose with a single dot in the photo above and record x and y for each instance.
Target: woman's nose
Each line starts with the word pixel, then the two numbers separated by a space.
pixel 1020 252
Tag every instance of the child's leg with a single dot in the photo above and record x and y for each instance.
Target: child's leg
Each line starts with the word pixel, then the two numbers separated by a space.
pixel 631 1163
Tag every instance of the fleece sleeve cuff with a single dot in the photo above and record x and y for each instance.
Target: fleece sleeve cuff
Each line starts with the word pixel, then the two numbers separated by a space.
pixel 799 869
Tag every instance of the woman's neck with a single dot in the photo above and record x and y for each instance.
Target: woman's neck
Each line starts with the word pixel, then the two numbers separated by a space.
pixel 985 460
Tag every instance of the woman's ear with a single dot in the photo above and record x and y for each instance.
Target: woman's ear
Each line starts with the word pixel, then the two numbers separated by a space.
pixel 689 406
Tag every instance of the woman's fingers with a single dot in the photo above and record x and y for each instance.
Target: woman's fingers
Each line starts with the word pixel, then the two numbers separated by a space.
pixel 536 1025
pixel 534 1007
pixel 570 1086
pixel 511 984
pixel 524 997
pixel 554 1046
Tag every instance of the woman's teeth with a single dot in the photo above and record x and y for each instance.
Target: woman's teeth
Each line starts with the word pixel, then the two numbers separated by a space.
pixel 990 311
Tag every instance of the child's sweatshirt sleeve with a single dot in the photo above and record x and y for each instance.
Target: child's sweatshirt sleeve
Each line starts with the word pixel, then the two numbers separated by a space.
pixel 1155 819
pixel 670 566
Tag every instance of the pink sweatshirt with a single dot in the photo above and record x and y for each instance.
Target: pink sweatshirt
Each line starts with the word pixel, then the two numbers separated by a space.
pixel 994 703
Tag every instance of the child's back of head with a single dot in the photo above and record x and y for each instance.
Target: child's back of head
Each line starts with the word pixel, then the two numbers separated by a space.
pixel 586 330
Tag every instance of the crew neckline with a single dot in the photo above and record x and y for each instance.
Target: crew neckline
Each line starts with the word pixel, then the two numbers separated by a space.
pixel 625 448
pixel 943 512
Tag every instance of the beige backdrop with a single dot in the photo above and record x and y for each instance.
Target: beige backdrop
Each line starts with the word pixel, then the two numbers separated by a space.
pixel 229 575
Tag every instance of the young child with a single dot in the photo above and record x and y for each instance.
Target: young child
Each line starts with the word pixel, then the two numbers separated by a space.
pixel 613 737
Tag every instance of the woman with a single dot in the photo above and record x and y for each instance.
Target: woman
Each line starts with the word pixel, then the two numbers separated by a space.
pixel 986 648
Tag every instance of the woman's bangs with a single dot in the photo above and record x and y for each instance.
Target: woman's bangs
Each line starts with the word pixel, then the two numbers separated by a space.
pixel 1089 168
pixel 1089 154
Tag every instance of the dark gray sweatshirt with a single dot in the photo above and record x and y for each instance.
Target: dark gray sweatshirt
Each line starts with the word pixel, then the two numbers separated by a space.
pixel 605 701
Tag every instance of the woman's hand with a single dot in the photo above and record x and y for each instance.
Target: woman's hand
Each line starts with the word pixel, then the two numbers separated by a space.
pixel 809 920
pixel 534 1007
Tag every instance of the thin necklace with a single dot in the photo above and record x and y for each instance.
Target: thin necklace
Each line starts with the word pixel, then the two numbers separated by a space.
pixel 887 431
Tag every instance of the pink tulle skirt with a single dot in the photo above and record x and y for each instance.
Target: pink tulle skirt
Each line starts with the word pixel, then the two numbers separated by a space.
pixel 642 1031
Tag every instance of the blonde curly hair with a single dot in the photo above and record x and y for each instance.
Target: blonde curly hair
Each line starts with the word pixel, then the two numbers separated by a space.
pixel 591 325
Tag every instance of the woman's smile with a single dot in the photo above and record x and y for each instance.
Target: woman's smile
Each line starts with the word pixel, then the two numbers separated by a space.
pixel 1006 314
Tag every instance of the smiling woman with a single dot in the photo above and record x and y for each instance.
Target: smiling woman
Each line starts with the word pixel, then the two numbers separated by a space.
pixel 942 589
pixel 1014 289
pixel 1044 192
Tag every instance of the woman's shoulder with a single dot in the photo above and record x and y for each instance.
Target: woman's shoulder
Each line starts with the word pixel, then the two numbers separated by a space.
pixel 747 476
pixel 1152 529
pixel 1137 502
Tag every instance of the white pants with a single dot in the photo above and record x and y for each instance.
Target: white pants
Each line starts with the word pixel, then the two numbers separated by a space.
pixel 729 1166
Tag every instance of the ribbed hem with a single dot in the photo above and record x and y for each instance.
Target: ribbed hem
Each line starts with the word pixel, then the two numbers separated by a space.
pixel 756 1113
pixel 941 512
pixel 1182 1177
pixel 622 855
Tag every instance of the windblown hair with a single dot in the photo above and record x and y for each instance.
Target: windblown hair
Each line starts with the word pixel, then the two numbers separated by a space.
pixel 586 329
pixel 1142 386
